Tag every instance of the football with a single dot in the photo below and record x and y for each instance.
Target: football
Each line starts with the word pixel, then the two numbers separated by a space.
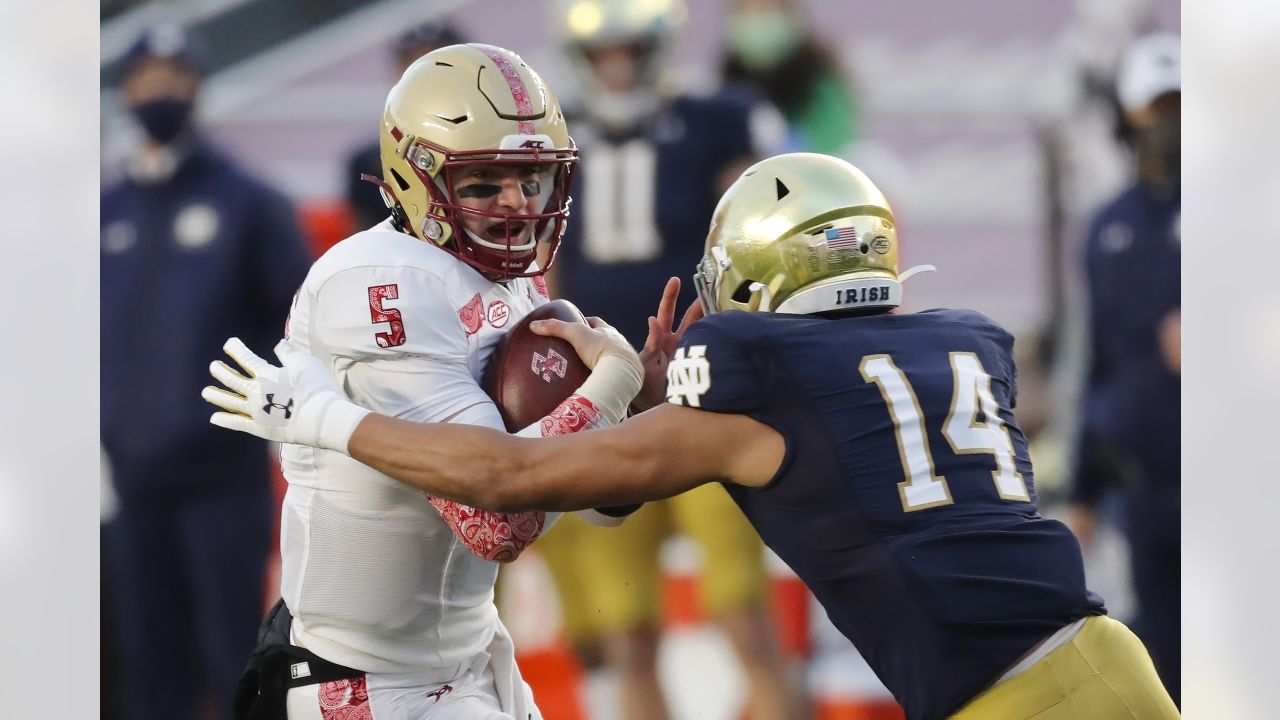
pixel 528 374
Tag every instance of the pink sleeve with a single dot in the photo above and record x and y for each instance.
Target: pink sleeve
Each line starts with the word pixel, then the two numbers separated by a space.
pixel 502 537
pixel 492 536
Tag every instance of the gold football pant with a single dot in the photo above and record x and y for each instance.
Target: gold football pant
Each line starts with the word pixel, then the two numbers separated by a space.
pixel 1104 673
pixel 609 579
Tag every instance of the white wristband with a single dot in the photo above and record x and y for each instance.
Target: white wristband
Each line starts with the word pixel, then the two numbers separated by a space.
pixel 338 423
pixel 611 387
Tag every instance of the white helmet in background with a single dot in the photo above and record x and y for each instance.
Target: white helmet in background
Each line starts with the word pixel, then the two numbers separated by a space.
pixel 618 50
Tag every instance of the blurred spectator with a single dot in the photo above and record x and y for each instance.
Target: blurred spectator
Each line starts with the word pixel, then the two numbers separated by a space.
pixel 367 206
pixel 654 163
pixel 193 250
pixel 771 45
pixel 1131 416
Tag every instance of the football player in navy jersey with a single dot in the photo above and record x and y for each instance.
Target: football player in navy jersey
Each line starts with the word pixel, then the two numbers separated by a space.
pixel 876 453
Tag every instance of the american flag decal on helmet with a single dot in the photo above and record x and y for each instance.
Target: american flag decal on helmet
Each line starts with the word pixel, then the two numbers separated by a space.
pixel 845 237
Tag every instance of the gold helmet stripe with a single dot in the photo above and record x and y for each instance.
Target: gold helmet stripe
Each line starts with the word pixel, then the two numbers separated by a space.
pixel 519 93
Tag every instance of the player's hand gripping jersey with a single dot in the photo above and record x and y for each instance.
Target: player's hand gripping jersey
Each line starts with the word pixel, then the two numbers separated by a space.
pixel 934 563
pixel 377 575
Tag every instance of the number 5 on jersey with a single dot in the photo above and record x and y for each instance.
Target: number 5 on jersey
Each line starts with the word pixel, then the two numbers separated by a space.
pixel 971 394
pixel 380 314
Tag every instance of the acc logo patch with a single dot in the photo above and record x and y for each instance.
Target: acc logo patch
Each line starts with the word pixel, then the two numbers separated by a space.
pixel 688 376
pixel 498 313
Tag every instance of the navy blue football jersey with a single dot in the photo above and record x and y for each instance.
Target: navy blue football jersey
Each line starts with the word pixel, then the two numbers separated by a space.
pixel 643 201
pixel 905 500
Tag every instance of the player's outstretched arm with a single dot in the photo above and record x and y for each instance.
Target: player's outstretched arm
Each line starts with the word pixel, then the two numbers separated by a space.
pixel 655 455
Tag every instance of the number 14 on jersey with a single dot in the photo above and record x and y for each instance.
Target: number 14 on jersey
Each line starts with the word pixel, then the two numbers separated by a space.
pixel 971 395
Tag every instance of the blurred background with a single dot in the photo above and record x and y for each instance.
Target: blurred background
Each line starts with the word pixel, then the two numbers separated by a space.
pixel 995 128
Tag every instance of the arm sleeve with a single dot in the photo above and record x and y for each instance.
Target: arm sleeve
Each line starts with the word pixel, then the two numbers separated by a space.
pixel 573 415
pixel 501 537
pixel 498 537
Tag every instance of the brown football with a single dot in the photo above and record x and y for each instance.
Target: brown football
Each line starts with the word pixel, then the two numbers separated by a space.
pixel 528 374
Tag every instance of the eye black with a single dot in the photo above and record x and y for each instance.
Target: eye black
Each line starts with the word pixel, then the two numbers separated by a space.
pixel 479 190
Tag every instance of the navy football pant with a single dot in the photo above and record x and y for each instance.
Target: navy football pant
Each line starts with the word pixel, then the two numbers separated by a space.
pixel 187 577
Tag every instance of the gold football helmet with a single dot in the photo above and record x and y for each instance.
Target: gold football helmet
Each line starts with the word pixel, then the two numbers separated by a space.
pixel 801 233
pixel 648 28
pixel 471 104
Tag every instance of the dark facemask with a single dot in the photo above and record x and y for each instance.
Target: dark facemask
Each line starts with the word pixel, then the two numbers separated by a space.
pixel 1160 152
pixel 164 119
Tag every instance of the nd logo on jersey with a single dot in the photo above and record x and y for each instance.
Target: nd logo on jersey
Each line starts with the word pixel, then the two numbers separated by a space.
pixel 688 376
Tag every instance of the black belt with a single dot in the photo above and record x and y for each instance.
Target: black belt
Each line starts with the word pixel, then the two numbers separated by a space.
pixel 268 676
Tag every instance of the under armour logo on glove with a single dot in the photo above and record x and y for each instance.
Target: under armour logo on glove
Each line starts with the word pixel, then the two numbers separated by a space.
pixel 271 403
pixel 314 412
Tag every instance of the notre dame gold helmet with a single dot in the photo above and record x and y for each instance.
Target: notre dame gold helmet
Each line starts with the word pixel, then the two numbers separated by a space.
pixel 459 106
pixel 801 233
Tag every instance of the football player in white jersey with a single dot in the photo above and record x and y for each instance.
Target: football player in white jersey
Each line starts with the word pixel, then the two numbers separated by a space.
pixel 389 592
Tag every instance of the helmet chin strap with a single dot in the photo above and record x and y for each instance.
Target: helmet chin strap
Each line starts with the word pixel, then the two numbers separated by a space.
pixel 392 201
pixel 902 277
pixel 765 294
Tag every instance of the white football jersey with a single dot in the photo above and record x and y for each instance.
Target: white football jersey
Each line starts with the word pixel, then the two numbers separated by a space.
pixel 375 578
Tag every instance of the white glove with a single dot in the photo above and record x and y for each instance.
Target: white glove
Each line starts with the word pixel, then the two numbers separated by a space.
pixel 298 403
